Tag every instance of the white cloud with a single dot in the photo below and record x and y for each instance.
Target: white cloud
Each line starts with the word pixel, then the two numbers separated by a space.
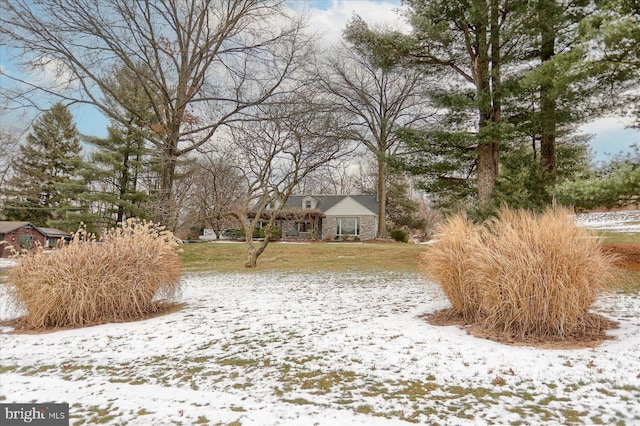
pixel 52 72
pixel 606 124
pixel 330 22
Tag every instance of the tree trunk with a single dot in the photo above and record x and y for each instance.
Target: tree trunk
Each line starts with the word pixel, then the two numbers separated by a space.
pixel 382 196
pixel 124 185
pixel 165 202
pixel 487 172
pixel 548 134
pixel 547 97
pixel 487 151
pixel 254 252
pixel 252 257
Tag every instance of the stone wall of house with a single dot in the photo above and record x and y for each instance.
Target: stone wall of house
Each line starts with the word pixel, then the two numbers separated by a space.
pixel 288 228
pixel 368 227
pixel 328 228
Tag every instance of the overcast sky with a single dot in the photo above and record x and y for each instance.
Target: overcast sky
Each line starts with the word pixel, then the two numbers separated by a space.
pixel 328 19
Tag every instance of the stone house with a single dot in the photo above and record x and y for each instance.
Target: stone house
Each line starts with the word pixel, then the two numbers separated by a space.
pixel 329 217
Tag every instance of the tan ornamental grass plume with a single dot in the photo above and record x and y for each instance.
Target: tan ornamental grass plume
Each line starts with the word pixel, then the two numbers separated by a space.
pixel 128 275
pixel 530 277
pixel 448 263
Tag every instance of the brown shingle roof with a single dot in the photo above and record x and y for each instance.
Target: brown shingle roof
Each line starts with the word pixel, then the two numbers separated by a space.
pixel 8 226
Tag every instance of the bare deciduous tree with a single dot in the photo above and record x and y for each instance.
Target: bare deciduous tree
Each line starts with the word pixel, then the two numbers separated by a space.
pixel 275 150
pixel 376 102
pixel 9 143
pixel 200 63
pixel 336 178
pixel 216 193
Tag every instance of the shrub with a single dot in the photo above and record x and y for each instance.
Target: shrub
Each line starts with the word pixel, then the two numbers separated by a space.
pixel 129 274
pixel 400 235
pixel 276 233
pixel 522 275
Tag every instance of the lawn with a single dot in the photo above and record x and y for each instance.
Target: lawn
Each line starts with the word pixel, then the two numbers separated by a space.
pixel 284 256
pixel 609 237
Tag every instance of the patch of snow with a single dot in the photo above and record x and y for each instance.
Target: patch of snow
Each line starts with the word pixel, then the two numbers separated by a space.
pixel 320 348
pixel 619 221
pixel 7 263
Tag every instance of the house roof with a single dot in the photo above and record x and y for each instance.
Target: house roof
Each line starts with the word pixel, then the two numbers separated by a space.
pixel 54 233
pixel 9 226
pixel 325 202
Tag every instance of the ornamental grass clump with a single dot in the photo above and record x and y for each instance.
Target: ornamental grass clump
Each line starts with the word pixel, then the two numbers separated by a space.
pixel 132 272
pixel 448 263
pixel 531 277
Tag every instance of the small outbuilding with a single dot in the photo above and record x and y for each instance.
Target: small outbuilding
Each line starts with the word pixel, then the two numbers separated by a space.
pixel 16 236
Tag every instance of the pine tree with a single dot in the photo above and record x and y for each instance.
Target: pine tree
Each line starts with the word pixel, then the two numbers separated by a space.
pixel 528 84
pixel 117 169
pixel 46 175
pixel 468 43
pixel 124 165
pixel 615 185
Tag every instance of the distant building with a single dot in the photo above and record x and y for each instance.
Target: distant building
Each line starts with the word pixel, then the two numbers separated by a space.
pixel 16 236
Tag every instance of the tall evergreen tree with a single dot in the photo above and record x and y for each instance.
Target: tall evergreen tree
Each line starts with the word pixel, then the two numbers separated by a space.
pixel 117 169
pixel 550 97
pixel 124 162
pixel 468 42
pixel 46 176
pixel 611 48
pixel 527 76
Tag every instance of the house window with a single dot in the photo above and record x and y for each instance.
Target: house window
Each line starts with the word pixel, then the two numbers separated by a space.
pixel 25 241
pixel 348 226
pixel 263 224
pixel 307 204
pixel 304 226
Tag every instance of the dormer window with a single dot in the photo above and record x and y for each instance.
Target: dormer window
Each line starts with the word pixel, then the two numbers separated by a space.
pixel 309 203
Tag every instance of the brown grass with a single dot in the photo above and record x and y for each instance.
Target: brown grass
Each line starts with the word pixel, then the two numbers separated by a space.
pixel 522 275
pixel 311 257
pixel 448 263
pixel 130 274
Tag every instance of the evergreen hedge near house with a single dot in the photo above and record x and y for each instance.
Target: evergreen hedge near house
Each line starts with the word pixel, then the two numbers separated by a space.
pixel 522 275
pixel 132 272
pixel 400 235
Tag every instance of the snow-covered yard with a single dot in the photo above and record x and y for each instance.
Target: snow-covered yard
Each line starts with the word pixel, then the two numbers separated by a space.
pixel 327 349
pixel 323 348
